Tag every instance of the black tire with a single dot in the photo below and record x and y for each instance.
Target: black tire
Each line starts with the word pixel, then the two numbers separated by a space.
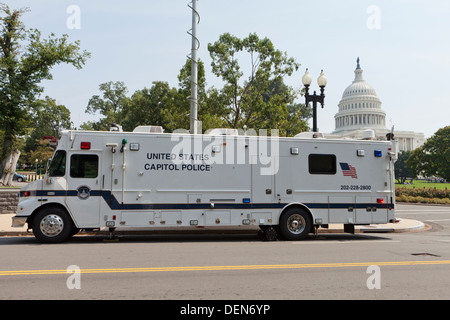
pixel 269 233
pixel 52 225
pixel 295 224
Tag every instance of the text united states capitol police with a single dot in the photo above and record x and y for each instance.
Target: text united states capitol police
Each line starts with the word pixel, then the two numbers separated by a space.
pixel 181 162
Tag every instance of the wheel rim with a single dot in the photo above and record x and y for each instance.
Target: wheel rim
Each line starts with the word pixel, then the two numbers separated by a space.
pixel 51 225
pixel 296 224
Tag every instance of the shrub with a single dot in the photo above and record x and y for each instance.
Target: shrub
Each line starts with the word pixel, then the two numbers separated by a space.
pixel 420 199
pixel 424 193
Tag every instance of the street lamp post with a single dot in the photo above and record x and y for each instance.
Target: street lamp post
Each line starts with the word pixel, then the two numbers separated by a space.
pixel 314 98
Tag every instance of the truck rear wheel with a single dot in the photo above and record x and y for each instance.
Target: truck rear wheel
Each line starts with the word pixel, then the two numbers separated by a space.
pixel 52 225
pixel 295 224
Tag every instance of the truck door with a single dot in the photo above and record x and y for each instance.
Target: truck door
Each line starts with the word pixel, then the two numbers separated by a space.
pixel 363 211
pixel 55 182
pixel 283 180
pixel 380 214
pixel 370 210
pixel 262 185
pixel 84 188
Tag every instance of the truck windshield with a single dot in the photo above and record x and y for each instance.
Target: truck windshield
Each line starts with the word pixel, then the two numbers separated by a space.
pixel 58 165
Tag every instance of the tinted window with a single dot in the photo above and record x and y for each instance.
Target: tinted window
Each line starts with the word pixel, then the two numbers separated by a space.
pixel 58 165
pixel 84 166
pixel 322 163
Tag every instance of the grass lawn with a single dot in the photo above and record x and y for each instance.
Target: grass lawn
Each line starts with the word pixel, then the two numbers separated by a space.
pixel 423 184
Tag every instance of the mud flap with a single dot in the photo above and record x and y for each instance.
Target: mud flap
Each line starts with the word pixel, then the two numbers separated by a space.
pixel 349 228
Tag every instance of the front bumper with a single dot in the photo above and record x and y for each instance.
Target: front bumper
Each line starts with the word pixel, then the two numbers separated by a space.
pixel 18 222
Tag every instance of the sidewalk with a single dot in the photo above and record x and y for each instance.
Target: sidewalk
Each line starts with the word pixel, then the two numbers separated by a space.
pixel 404 225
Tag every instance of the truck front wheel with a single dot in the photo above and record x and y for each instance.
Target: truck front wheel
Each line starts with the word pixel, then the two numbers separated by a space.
pixel 52 225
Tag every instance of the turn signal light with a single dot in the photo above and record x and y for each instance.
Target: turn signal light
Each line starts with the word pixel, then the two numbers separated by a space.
pixel 380 200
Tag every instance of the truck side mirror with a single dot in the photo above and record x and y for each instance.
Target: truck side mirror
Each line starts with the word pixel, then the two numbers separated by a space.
pixel 47 169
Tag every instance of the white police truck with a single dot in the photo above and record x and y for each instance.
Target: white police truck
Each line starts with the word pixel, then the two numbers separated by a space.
pixel 288 187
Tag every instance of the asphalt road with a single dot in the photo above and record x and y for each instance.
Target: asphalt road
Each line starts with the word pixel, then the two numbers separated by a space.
pixel 413 265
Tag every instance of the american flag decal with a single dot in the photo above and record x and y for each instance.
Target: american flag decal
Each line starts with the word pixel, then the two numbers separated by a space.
pixel 348 170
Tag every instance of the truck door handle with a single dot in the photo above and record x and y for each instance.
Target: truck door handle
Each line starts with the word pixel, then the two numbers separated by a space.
pixel 268 191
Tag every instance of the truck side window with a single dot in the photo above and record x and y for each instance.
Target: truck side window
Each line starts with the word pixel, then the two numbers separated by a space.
pixel 322 163
pixel 58 165
pixel 84 166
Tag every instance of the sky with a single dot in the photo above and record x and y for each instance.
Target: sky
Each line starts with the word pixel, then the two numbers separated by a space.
pixel 403 46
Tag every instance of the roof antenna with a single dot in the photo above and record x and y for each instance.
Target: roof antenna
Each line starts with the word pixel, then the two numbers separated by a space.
pixel 194 66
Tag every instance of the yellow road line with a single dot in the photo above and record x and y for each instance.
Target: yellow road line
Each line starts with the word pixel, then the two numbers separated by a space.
pixel 226 268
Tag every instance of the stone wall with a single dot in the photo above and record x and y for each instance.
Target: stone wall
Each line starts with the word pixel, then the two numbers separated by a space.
pixel 8 201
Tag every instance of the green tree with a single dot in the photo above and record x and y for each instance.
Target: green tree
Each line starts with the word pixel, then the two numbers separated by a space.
pixel 154 106
pixel 166 106
pixel 184 80
pixel 260 100
pixel 183 105
pixel 415 162
pixel 26 59
pixel 210 109
pixel 292 117
pixel 433 158
pixel 49 119
pixel 111 105
pixel 41 153
pixel 402 171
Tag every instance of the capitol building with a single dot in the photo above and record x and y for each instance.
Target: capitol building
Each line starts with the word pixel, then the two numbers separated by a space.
pixel 360 114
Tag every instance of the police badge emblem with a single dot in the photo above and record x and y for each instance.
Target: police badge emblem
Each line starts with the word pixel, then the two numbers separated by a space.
pixel 83 192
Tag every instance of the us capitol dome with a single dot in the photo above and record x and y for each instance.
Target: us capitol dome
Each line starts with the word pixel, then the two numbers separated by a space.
pixel 360 114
